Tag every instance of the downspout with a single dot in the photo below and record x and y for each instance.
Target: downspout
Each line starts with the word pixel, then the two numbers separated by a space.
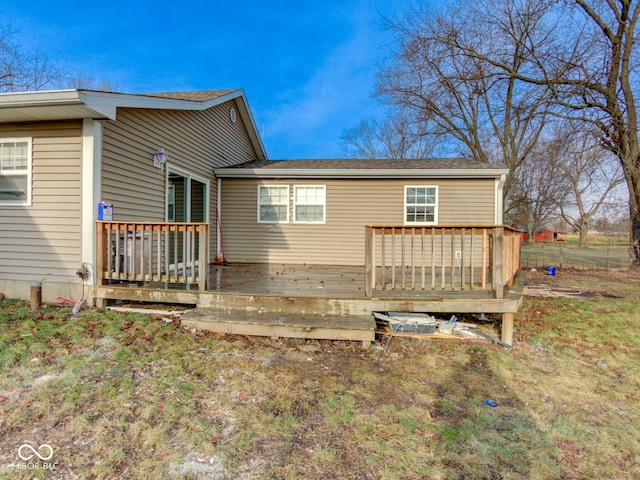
pixel 499 199
pixel 219 220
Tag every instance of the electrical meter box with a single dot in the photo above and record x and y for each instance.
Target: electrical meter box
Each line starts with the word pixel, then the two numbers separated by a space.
pixel 105 211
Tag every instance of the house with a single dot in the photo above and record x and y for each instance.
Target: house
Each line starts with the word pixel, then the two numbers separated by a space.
pixel 170 198
pixel 314 211
pixel 64 152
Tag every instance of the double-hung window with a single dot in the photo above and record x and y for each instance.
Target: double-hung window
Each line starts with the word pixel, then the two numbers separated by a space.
pixel 15 171
pixel 421 205
pixel 273 203
pixel 309 204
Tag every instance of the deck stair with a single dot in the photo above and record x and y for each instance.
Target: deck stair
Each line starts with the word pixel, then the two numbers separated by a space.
pixel 283 324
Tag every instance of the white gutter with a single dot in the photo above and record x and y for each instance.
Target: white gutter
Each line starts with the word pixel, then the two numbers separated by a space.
pixel 40 98
pixel 357 173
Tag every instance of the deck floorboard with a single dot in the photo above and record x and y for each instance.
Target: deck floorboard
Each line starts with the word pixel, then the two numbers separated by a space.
pixel 319 281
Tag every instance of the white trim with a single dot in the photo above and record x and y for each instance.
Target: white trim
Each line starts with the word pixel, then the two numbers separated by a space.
pixel 324 204
pixel 21 173
pixel 357 173
pixel 258 204
pixel 189 176
pixel 499 203
pixel 171 192
pixel 106 102
pixel 435 206
pixel 90 187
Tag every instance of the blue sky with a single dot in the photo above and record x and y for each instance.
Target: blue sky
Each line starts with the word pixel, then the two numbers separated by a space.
pixel 307 67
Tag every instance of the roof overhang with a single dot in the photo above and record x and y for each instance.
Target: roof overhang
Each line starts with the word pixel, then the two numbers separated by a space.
pixel 275 173
pixel 50 105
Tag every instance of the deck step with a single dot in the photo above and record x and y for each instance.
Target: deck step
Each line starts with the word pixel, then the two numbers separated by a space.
pixel 288 325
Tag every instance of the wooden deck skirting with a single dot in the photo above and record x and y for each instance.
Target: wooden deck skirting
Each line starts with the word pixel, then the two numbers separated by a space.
pixel 448 257
pixel 167 252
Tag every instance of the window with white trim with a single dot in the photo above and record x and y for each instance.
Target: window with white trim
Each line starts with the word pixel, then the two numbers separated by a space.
pixel 15 171
pixel 273 203
pixel 420 205
pixel 171 203
pixel 309 203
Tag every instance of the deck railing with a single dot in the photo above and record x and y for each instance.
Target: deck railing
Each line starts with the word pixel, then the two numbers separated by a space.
pixel 164 252
pixel 451 257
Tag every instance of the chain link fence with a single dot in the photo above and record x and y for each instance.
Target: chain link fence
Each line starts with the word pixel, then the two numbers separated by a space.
pixel 563 255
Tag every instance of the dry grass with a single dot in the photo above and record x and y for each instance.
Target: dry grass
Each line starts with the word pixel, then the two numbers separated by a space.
pixel 599 255
pixel 131 396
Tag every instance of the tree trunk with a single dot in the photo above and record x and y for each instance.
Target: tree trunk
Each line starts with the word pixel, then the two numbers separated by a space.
pixel 634 250
pixel 633 183
pixel 584 230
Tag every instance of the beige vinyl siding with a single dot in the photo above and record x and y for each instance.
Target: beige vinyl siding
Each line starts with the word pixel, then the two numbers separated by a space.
pixel 351 204
pixel 194 141
pixel 44 239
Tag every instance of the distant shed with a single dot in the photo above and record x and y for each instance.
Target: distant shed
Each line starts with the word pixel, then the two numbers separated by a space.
pixel 546 236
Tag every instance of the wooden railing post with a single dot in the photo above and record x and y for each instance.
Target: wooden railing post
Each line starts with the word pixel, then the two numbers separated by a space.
pixel 369 261
pixel 498 249
pixel 101 253
pixel 203 257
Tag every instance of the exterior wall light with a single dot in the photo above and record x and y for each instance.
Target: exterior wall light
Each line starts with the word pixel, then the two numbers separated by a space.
pixel 159 158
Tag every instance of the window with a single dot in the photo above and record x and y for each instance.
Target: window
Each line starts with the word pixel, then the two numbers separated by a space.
pixel 15 172
pixel 309 203
pixel 421 204
pixel 171 203
pixel 273 203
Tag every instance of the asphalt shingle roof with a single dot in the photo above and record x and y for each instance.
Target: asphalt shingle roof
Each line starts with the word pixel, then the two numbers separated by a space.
pixel 360 164
pixel 196 96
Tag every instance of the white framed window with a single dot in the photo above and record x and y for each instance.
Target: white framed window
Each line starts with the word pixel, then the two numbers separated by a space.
pixel 309 203
pixel 273 203
pixel 420 205
pixel 15 171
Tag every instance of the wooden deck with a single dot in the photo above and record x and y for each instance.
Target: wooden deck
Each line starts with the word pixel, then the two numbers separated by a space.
pixel 430 269
pixel 305 301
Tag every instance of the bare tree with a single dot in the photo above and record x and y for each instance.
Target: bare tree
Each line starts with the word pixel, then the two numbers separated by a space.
pixel 585 53
pixel 613 221
pixel 25 71
pixel 496 117
pixel 591 175
pixel 90 83
pixel 539 188
pixel 395 137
